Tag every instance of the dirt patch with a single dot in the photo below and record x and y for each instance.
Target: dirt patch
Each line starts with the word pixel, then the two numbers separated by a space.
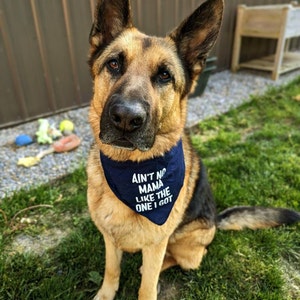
pixel 168 291
pixel 291 277
pixel 39 244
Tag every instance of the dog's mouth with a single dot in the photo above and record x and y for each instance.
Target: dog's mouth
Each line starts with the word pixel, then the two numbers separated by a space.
pixel 123 143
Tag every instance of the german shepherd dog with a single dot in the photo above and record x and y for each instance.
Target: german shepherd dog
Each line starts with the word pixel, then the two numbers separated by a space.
pixel 147 187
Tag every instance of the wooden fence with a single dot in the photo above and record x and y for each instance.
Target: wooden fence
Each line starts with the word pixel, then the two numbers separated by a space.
pixel 44 45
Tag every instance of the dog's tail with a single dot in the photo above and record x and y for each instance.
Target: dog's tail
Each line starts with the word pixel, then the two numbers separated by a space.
pixel 240 217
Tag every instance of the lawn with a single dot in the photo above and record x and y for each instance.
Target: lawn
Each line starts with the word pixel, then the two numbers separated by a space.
pixel 50 249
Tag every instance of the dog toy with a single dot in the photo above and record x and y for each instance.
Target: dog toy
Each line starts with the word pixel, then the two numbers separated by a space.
pixel 23 140
pixel 47 133
pixel 65 144
pixel 66 127
pixel 53 132
pixel 42 133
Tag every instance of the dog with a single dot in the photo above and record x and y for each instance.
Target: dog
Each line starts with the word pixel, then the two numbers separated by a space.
pixel 147 187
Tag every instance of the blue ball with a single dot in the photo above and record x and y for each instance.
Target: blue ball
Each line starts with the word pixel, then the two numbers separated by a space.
pixel 23 140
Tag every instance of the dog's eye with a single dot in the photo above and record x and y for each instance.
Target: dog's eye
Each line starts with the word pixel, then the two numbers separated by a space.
pixel 164 76
pixel 113 65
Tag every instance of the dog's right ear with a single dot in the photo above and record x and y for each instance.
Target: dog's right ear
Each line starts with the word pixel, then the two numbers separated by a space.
pixel 111 18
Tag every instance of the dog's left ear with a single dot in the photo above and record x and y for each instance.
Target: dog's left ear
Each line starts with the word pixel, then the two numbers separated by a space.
pixel 196 35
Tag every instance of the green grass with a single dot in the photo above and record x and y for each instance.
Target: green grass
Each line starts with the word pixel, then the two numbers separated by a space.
pixel 252 156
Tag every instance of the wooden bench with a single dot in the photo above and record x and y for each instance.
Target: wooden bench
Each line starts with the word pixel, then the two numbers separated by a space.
pixel 280 22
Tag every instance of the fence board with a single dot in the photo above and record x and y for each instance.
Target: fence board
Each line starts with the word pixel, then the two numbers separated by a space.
pixel 24 52
pixel 12 96
pixel 44 47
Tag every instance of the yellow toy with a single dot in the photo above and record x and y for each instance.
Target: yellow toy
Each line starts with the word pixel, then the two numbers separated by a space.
pixel 66 127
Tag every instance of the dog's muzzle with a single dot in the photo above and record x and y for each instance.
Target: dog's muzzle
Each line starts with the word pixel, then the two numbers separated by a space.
pixel 126 123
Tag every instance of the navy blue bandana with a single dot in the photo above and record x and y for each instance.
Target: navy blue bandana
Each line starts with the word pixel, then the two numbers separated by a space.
pixel 151 187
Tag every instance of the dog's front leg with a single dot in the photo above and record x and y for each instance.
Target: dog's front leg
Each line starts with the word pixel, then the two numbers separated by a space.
pixel 110 283
pixel 153 257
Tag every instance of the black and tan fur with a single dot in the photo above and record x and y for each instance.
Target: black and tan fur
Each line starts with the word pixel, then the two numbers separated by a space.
pixel 138 112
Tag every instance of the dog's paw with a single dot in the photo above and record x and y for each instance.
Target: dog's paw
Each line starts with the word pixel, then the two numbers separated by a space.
pixel 141 269
pixel 158 288
pixel 104 295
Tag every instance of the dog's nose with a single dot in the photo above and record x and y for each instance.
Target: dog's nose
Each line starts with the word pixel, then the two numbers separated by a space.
pixel 127 116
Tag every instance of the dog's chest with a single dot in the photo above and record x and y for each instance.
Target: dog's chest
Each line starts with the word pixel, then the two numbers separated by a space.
pixel 128 230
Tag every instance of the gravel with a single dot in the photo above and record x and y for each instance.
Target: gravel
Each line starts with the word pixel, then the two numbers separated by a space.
pixel 224 91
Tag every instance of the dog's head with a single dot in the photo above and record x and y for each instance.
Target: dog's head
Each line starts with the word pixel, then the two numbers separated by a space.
pixel 141 82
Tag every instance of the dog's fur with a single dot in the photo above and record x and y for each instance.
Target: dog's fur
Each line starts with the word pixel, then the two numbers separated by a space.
pixel 147 80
